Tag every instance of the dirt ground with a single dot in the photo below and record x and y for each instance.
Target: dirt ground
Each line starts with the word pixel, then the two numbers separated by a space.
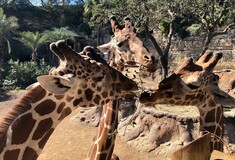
pixel 72 141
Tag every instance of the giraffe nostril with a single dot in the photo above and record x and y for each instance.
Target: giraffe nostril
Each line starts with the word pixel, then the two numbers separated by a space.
pixel 146 57
pixel 152 58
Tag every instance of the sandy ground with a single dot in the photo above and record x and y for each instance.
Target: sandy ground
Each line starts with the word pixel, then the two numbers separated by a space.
pixel 72 141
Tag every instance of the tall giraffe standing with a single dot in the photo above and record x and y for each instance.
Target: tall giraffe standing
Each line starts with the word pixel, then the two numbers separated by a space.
pixel 125 49
pixel 78 81
pixel 192 84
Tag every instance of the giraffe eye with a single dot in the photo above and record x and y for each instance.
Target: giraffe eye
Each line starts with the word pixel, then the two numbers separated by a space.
pixel 100 78
pixel 120 44
pixel 191 86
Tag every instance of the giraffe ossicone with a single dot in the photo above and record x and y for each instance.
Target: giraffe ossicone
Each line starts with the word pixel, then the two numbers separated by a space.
pixel 77 81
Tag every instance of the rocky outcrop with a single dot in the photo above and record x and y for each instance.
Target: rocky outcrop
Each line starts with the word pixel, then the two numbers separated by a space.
pixel 88 116
pixel 227 81
pixel 160 132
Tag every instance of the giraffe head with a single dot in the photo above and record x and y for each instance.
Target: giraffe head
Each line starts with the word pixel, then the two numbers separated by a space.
pixel 78 74
pixel 127 46
pixel 188 84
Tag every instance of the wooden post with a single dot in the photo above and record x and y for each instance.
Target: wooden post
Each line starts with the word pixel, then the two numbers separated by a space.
pixel 195 150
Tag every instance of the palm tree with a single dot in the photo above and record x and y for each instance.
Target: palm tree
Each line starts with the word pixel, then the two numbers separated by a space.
pixel 58 34
pixel 7 25
pixel 32 40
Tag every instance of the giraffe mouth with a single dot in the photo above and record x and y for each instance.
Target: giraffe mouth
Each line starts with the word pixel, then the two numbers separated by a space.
pixel 146 98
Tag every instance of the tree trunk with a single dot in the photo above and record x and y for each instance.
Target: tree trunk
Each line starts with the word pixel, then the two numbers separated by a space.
pixel 98 35
pixel 1 60
pixel 34 56
pixel 206 43
pixel 163 56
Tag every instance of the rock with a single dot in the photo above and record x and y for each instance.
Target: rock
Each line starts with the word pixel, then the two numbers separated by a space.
pixel 160 132
pixel 90 116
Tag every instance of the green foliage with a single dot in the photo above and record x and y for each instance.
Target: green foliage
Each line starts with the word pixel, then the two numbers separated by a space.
pixel 194 29
pixel 22 74
pixel 31 40
pixel 58 34
pixel 85 28
pixel 7 23
pixel 164 26
pixel 212 14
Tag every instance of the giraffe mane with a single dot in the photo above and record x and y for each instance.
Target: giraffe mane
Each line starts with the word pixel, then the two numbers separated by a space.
pixel 22 106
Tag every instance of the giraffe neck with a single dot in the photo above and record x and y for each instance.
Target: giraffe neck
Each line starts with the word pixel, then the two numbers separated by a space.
pixel 33 120
pixel 211 120
pixel 211 116
pixel 211 113
pixel 25 130
pixel 102 147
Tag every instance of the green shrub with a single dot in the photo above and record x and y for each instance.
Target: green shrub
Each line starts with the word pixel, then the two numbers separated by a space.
pixel 22 74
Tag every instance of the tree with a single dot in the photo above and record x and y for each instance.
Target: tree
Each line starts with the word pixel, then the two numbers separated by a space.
pixel 58 34
pixel 147 15
pixel 7 25
pixel 214 17
pixel 33 41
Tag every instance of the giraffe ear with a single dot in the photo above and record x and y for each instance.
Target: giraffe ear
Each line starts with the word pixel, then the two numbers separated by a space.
pixel 105 47
pixel 55 84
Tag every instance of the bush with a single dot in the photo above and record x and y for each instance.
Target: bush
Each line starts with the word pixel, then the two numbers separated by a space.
pixel 22 74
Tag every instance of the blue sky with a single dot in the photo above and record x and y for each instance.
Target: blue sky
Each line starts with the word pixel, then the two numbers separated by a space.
pixel 38 2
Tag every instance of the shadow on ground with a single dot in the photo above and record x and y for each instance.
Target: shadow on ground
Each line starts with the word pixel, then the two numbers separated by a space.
pixel 3 95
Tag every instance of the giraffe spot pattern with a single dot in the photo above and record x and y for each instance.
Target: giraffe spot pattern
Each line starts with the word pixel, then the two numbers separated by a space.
pixel 61 107
pixel 210 128
pixel 77 101
pixel 12 154
pixel 3 141
pixel 30 154
pixel 39 96
pixel 79 73
pixel 68 98
pixel 59 97
pixel 111 93
pixel 89 94
pixel 195 102
pixel 99 89
pixel 105 94
pixel 168 94
pixel 97 99
pixel 218 115
pixel 189 97
pixel 211 103
pixel 43 141
pixel 19 134
pixel 79 91
pixel 93 85
pixel 219 131
pixel 43 127
pixel 45 107
pixel 65 113
pixel 210 117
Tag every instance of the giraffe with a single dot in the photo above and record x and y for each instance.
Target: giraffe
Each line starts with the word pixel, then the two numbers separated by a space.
pixel 125 49
pixel 77 81
pixel 103 145
pixel 193 84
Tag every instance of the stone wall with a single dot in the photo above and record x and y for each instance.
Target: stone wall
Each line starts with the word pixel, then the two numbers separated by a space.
pixel 192 46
